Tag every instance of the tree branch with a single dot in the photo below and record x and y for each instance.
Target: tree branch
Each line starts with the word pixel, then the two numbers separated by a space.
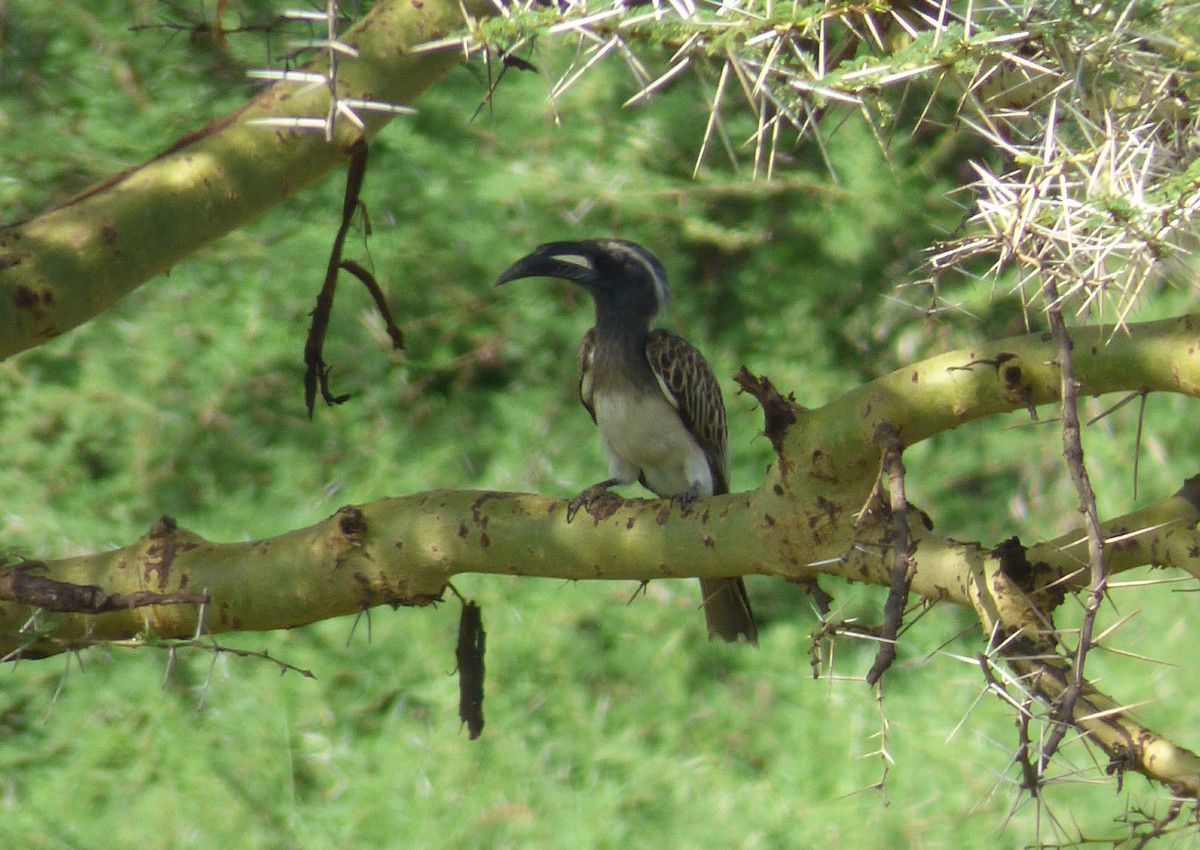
pixel 404 550
pixel 1030 648
pixel 797 525
pixel 67 265
pixel 834 444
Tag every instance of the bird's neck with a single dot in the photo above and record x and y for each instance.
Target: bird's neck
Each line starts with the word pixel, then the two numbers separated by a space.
pixel 620 321
pixel 621 342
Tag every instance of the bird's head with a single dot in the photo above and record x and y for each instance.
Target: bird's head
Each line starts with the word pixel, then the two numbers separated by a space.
pixel 623 277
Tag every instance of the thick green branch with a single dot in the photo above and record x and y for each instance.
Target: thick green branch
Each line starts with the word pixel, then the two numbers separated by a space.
pixel 67 265
pixel 1160 534
pixel 400 551
pixel 834 444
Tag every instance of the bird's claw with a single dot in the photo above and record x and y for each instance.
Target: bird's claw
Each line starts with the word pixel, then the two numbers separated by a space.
pixel 590 496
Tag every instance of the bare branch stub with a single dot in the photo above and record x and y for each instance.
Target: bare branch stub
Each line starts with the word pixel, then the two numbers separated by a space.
pixel 779 413
pixel 1191 491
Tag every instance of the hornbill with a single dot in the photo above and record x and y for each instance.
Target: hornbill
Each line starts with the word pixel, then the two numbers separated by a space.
pixel 655 400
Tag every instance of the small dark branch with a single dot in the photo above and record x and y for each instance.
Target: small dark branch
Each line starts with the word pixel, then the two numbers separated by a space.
pixel 825 630
pixel 1159 827
pixel 887 437
pixel 885 758
pixel 779 413
pixel 1073 454
pixel 823 603
pixel 19 584
pixel 472 640
pixel 1031 780
pixel 316 372
pixel 213 647
pixel 368 280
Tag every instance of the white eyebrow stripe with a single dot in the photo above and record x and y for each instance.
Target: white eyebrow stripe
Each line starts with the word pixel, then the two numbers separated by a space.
pixel 660 282
pixel 574 259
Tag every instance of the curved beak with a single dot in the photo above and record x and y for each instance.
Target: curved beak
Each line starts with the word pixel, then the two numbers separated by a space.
pixel 565 260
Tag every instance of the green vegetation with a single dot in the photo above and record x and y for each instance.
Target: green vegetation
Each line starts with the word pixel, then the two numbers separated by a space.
pixel 609 724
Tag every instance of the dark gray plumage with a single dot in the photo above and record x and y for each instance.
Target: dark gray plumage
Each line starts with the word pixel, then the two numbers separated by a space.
pixel 654 398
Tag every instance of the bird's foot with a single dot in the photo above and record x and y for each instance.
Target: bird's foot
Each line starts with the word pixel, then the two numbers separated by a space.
pixel 687 498
pixel 593 495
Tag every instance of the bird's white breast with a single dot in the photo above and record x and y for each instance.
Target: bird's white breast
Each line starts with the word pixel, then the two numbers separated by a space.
pixel 642 433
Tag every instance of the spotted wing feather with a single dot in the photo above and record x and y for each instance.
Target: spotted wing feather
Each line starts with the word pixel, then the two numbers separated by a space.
pixel 692 388
pixel 690 385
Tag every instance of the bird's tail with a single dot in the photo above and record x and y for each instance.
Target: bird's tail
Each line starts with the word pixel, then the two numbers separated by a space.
pixel 727 610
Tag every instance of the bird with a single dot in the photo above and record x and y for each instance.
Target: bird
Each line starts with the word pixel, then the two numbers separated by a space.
pixel 655 400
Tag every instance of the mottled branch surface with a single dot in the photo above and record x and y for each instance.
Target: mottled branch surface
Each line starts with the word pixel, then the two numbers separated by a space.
pixel 69 264
pixel 799 523
pixel 404 550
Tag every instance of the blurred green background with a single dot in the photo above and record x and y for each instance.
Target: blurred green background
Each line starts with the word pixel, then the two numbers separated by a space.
pixel 608 724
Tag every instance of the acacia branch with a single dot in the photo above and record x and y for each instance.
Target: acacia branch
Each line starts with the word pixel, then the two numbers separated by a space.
pixel 798 524
pixel 834 443
pixel 1072 442
pixel 71 263
pixel 1030 649
pixel 404 551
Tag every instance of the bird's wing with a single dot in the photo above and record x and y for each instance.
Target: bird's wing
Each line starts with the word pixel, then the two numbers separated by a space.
pixel 587 351
pixel 690 385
